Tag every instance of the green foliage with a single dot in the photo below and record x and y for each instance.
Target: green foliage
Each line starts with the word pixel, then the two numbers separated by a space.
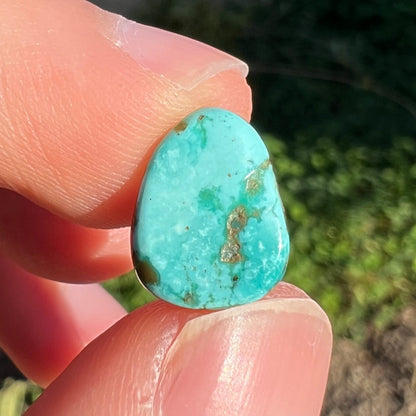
pixel 128 291
pixel 16 396
pixel 352 222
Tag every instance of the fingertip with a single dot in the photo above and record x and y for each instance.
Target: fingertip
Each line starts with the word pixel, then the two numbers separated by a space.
pixel 85 116
pixel 269 357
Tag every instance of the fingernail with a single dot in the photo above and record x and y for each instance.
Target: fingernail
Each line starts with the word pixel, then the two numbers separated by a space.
pixel 266 358
pixel 182 60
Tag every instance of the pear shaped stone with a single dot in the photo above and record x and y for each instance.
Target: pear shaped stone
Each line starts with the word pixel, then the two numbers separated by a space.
pixel 209 229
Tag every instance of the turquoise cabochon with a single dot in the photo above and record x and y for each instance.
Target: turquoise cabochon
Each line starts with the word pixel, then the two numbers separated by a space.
pixel 209 229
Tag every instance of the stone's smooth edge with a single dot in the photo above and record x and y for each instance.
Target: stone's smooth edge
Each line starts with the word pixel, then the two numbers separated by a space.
pixel 176 130
pixel 254 182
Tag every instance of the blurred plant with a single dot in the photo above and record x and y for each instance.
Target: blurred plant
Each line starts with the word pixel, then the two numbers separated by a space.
pixel 352 220
pixel 16 396
pixel 128 291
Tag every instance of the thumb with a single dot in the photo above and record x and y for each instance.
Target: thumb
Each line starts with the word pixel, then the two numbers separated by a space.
pixel 85 95
pixel 265 358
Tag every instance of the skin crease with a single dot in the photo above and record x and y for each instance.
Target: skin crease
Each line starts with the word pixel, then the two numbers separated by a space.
pixel 79 119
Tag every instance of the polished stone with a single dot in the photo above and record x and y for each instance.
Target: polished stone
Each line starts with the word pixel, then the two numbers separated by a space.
pixel 209 228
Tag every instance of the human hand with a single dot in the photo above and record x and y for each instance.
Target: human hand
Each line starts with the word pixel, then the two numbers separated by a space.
pixel 85 96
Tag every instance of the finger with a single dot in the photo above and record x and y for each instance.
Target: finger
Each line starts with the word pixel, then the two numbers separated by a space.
pixel 53 247
pixel 265 358
pixel 86 95
pixel 44 324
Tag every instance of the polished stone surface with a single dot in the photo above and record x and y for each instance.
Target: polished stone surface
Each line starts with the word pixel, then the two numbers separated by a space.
pixel 209 229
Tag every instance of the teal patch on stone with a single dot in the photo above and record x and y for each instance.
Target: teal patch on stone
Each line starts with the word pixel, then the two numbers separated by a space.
pixel 209 229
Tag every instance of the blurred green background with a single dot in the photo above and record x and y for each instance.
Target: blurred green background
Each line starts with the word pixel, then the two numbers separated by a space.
pixel 334 95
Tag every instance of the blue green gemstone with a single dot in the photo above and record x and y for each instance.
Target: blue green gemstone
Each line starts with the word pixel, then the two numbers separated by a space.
pixel 209 229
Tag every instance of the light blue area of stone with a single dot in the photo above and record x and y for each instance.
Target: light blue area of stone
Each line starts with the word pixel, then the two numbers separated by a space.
pixel 209 229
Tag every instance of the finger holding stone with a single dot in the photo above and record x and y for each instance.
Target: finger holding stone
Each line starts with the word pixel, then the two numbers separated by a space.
pixel 268 357
pixel 85 97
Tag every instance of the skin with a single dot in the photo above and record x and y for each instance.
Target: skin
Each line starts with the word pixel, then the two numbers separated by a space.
pixel 84 99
